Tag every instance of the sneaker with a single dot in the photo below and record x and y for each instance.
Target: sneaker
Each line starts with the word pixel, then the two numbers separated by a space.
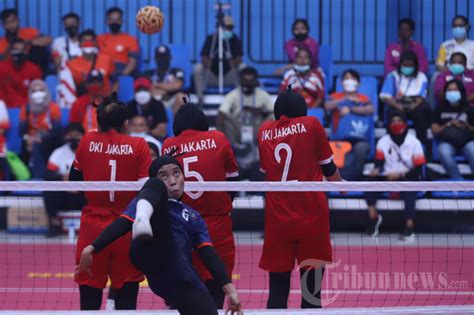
pixel 408 235
pixel 141 229
pixel 110 306
pixel 373 229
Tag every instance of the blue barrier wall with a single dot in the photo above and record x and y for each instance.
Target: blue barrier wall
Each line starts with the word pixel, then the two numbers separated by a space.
pixel 357 30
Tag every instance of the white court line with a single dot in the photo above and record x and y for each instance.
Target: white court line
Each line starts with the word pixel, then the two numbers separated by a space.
pixel 263 291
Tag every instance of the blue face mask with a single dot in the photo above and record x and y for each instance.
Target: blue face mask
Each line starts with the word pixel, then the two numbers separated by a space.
pixel 299 68
pixel 453 97
pixel 456 68
pixel 407 71
pixel 459 32
pixel 227 34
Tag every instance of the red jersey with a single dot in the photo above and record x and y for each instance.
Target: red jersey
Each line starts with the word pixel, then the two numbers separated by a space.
pixel 292 149
pixel 111 156
pixel 14 81
pixel 205 156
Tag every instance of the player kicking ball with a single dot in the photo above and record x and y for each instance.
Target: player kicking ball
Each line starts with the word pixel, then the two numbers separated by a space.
pixel 295 147
pixel 165 232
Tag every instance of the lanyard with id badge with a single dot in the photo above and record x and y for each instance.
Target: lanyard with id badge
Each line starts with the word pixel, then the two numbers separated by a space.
pixel 247 121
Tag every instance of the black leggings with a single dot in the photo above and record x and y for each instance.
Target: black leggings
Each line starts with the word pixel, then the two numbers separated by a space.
pixel 125 299
pixel 311 282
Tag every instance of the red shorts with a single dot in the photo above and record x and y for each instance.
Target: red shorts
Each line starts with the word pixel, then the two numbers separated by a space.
pixel 220 231
pixel 111 262
pixel 305 242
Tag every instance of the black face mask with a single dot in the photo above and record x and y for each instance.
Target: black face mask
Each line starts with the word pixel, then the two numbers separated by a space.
pixel 162 64
pixel 74 143
pixel 248 89
pixel 19 58
pixel 115 27
pixel 301 36
pixel 72 31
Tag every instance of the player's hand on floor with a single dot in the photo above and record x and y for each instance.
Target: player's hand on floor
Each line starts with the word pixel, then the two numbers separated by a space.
pixel 234 306
pixel 85 262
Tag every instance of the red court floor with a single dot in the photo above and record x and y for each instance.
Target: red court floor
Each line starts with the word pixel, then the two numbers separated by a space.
pixel 39 277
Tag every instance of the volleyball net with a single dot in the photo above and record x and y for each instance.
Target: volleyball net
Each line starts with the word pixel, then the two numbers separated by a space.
pixel 429 272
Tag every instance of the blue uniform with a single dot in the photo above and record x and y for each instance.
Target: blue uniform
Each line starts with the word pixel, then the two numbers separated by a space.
pixel 168 265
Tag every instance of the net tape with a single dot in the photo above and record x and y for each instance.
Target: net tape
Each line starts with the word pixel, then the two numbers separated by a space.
pixel 245 186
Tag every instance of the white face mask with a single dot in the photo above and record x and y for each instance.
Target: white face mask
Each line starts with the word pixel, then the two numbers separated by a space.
pixel 350 85
pixel 38 97
pixel 142 97
pixel 90 50
pixel 138 134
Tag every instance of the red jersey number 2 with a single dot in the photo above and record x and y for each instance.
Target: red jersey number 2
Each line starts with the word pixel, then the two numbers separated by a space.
pixel 286 168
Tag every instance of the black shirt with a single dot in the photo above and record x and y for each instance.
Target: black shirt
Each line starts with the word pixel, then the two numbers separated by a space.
pixel 232 49
pixel 445 113
pixel 154 112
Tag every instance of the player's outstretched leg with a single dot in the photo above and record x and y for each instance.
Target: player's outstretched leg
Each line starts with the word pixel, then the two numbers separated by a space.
pixel 311 282
pixel 279 290
pixel 90 298
pixel 126 297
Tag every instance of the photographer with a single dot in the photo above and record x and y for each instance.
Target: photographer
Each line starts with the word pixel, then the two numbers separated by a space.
pixel 404 90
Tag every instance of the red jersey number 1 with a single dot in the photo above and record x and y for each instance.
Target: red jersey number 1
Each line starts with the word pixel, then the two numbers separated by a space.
pixel 113 176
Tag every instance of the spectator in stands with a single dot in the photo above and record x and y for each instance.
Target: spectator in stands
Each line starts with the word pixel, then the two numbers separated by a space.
pixel 406 28
pixel 167 82
pixel 154 151
pixel 304 80
pixel 460 43
pixel 404 90
pixel 206 73
pixel 456 70
pixel 347 102
pixel 58 167
pixel 145 105
pixel 453 127
pixel 4 126
pixel 67 47
pixel 37 43
pixel 83 110
pixel 91 59
pixel 16 73
pixel 138 127
pixel 123 48
pixel 240 115
pixel 40 127
pixel 301 39
pixel 399 157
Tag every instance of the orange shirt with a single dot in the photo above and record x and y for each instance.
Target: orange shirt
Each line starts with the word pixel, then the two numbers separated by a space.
pixel 84 113
pixel 118 46
pixel 25 33
pixel 41 122
pixel 80 68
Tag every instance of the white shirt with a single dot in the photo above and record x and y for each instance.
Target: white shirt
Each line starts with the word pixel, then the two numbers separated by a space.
pixel 397 85
pixel 451 46
pixel 400 158
pixel 62 45
pixel 235 100
pixel 61 160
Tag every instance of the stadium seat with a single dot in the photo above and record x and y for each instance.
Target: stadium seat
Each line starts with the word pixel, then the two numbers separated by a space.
pixel 52 83
pixel 170 115
pixel 325 62
pixel 453 194
pixel 318 113
pixel 215 90
pixel 65 116
pixel 368 86
pixel 13 134
pixel 181 58
pixel 270 84
pixel 125 88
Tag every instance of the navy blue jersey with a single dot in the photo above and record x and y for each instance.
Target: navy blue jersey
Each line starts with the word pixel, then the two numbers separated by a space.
pixel 174 265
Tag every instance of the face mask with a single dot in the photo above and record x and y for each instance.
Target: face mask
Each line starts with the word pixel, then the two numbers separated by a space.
pixel 248 89
pixel 456 68
pixel 162 64
pixel 227 34
pixel 115 27
pixel 350 85
pixel 72 31
pixel 38 97
pixel 138 134
pixel 407 71
pixel 301 69
pixel 453 97
pixel 142 97
pixel 89 50
pixel 397 129
pixel 300 36
pixel 74 143
pixel 459 32
pixel 19 58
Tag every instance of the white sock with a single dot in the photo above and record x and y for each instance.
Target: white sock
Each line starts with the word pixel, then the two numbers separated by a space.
pixel 142 227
